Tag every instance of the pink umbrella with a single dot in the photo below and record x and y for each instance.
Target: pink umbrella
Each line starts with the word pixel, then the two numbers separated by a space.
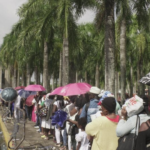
pixel 19 87
pixel 29 100
pixel 35 87
pixel 56 91
pixel 74 89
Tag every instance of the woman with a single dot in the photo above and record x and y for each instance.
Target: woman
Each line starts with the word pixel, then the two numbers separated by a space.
pixel 59 105
pixel 143 140
pixel 127 125
pixel 46 123
pixel 79 103
pixel 103 129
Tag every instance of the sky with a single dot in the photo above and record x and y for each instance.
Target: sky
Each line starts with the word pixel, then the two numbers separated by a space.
pixel 8 16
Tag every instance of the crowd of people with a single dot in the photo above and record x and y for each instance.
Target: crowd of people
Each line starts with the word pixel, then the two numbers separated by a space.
pixel 94 120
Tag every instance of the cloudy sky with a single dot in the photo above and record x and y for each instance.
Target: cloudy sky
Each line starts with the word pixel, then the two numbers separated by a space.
pixel 8 16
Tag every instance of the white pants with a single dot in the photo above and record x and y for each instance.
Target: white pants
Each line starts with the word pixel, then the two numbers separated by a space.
pixel 58 133
pixel 69 137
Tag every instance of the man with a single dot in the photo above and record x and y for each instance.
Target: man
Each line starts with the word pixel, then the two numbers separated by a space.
pixel 91 107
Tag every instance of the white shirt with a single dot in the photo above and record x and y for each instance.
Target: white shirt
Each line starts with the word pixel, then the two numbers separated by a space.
pixel 58 105
pixel 82 137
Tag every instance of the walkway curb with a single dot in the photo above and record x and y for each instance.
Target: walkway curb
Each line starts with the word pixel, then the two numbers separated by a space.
pixel 5 132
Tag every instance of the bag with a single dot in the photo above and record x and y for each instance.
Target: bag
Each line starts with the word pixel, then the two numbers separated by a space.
pixel 134 105
pixel 71 130
pixel 43 112
pixel 128 142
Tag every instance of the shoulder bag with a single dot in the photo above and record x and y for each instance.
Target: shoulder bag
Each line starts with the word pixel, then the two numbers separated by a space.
pixel 128 142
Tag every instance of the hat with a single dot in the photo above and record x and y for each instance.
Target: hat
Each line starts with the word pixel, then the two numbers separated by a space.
pixel 109 103
pixel 101 93
pixel 95 90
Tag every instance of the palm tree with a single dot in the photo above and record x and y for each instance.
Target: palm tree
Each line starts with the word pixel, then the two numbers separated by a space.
pixel 109 45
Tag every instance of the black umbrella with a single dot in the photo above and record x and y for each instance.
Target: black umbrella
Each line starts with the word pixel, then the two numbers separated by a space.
pixel 146 80
pixel 8 94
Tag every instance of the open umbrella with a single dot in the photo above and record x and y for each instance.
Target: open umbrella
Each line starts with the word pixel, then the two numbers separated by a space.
pixel 29 100
pixel 19 87
pixel 35 87
pixel 25 94
pixel 56 91
pixel 145 80
pixel 75 89
pixel 8 94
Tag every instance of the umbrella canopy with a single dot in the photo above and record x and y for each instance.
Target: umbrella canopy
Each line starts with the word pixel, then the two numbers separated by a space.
pixel 9 94
pixel 25 94
pixel 75 89
pixel 29 100
pixel 19 87
pixel 35 87
pixel 146 80
pixel 56 91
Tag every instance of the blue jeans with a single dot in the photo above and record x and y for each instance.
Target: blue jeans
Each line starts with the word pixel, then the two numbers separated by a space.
pixel 28 111
pixel 40 121
pixel 37 119
pixel 65 137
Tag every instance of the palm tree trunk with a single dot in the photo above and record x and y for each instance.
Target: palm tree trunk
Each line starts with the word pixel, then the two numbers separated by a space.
pixel 7 77
pixel 109 46
pixel 60 69
pixel 23 79
pixel 141 74
pixel 76 77
pixel 28 77
pixel 97 76
pixel 1 72
pixel 65 61
pixel 45 66
pixel 18 78
pixel 138 78
pixel 15 77
pixel 123 58
pixel 53 81
pixel 36 75
pixel 116 84
pixel 85 77
pixel 131 81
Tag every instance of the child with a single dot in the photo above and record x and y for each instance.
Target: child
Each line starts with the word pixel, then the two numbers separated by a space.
pixel 81 137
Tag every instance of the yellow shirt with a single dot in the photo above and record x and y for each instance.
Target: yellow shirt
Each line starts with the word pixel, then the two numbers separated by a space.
pixel 104 132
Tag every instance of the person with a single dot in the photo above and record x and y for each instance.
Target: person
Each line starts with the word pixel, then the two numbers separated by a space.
pixel 103 129
pixel 79 103
pixel 59 104
pixel 93 107
pixel 126 124
pixel 17 105
pixel 45 123
pixel 81 137
pixel 68 109
pixel 35 101
pixel 143 139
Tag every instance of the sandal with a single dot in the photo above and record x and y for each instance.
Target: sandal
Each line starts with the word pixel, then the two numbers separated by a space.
pixel 63 148
pixel 59 144
pixel 46 138
pixel 43 136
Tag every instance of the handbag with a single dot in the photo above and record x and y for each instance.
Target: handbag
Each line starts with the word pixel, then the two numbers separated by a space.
pixel 128 142
pixel 43 112
pixel 134 105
